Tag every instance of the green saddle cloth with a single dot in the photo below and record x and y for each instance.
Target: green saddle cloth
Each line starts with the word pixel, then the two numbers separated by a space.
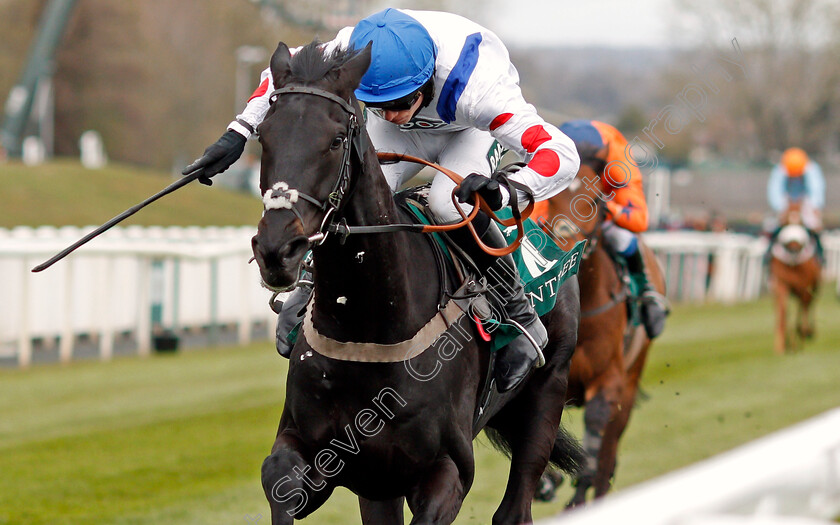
pixel 543 267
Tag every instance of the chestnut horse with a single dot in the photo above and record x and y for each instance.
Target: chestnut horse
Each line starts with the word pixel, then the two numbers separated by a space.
pixel 610 355
pixel 794 270
pixel 373 402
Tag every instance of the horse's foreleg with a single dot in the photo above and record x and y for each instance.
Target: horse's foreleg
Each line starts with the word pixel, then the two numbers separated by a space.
pixel 530 425
pixel 804 324
pixel 781 293
pixel 382 512
pixel 809 327
pixel 599 411
pixel 609 446
pixel 293 487
pixel 617 424
pixel 438 498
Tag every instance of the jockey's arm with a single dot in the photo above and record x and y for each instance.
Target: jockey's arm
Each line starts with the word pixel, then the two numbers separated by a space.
pixel 629 210
pixel 623 178
pixel 551 156
pixel 491 100
pixel 257 106
pixel 776 196
pixel 815 185
pixel 552 159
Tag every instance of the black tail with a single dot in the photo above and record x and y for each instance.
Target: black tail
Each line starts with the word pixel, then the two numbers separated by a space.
pixel 566 455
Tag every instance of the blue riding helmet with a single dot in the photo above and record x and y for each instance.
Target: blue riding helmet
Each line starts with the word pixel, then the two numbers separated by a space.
pixel 402 55
pixel 582 132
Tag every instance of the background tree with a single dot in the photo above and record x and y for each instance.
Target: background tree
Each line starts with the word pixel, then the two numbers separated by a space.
pixel 791 93
pixel 155 78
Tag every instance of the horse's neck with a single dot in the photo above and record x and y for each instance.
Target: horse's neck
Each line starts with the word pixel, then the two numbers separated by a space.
pixel 374 287
pixel 597 276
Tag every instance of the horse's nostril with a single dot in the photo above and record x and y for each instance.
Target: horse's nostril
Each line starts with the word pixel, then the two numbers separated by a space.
pixel 294 249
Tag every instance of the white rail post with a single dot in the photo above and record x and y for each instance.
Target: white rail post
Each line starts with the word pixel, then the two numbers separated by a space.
pixel 65 347
pixel 144 321
pixel 213 335
pixel 725 278
pixel 106 331
pixel 25 335
pixel 245 306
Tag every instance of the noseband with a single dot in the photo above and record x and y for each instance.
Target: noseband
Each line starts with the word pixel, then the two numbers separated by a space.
pixel 280 196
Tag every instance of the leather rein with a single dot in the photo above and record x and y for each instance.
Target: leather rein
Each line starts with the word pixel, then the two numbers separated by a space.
pixel 355 144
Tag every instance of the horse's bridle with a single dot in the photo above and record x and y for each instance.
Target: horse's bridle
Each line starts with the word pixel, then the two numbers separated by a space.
pixel 591 237
pixel 280 196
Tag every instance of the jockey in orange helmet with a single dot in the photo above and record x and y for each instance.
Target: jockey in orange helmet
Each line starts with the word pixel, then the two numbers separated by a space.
pixel 602 148
pixel 796 178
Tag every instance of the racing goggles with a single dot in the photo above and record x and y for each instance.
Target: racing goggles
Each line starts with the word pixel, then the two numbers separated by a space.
pixel 401 104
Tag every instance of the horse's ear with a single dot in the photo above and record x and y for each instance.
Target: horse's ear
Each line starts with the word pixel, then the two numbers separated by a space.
pixel 353 70
pixel 280 64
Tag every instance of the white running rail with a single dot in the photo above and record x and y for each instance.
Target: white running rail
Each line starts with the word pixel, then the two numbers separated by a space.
pixel 137 280
pixel 722 267
pixel 791 477
pixel 131 280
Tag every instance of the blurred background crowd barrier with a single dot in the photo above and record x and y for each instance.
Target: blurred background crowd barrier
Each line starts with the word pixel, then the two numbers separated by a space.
pixel 128 290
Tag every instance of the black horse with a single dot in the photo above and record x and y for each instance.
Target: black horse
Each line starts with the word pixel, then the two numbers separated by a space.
pixel 390 421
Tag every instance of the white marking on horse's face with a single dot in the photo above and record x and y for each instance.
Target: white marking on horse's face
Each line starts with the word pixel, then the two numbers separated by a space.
pixel 280 196
pixel 793 233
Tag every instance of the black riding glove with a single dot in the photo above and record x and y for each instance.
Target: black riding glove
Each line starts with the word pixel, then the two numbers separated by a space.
pixel 218 157
pixel 488 188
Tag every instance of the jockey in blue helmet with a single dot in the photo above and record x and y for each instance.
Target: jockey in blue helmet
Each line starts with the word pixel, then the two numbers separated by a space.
pixel 402 56
pixel 442 88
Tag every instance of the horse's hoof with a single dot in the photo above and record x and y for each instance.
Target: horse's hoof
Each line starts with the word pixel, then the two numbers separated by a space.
pixel 547 489
pixel 574 503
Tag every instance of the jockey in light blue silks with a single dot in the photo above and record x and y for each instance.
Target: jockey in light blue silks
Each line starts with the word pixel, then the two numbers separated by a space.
pixel 798 179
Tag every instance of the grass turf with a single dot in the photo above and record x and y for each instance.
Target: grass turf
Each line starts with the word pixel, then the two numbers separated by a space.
pixel 180 438
pixel 63 193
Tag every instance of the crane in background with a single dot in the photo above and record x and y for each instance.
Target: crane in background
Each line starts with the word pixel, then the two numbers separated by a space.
pixel 29 105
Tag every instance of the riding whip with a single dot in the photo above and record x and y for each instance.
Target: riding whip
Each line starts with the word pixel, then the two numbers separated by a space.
pixel 183 181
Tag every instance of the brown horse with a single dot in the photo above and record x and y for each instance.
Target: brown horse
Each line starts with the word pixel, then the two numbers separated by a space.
pixel 794 270
pixel 610 355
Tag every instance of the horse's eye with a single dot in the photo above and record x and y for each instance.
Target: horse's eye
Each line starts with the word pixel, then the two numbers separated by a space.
pixel 337 142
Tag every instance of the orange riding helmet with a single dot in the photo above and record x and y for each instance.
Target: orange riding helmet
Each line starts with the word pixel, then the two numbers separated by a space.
pixel 794 161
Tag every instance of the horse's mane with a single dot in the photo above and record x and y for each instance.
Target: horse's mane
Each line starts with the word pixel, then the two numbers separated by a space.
pixel 311 63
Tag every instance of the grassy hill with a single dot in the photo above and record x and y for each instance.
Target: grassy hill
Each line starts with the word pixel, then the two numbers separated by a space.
pixel 178 439
pixel 63 193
